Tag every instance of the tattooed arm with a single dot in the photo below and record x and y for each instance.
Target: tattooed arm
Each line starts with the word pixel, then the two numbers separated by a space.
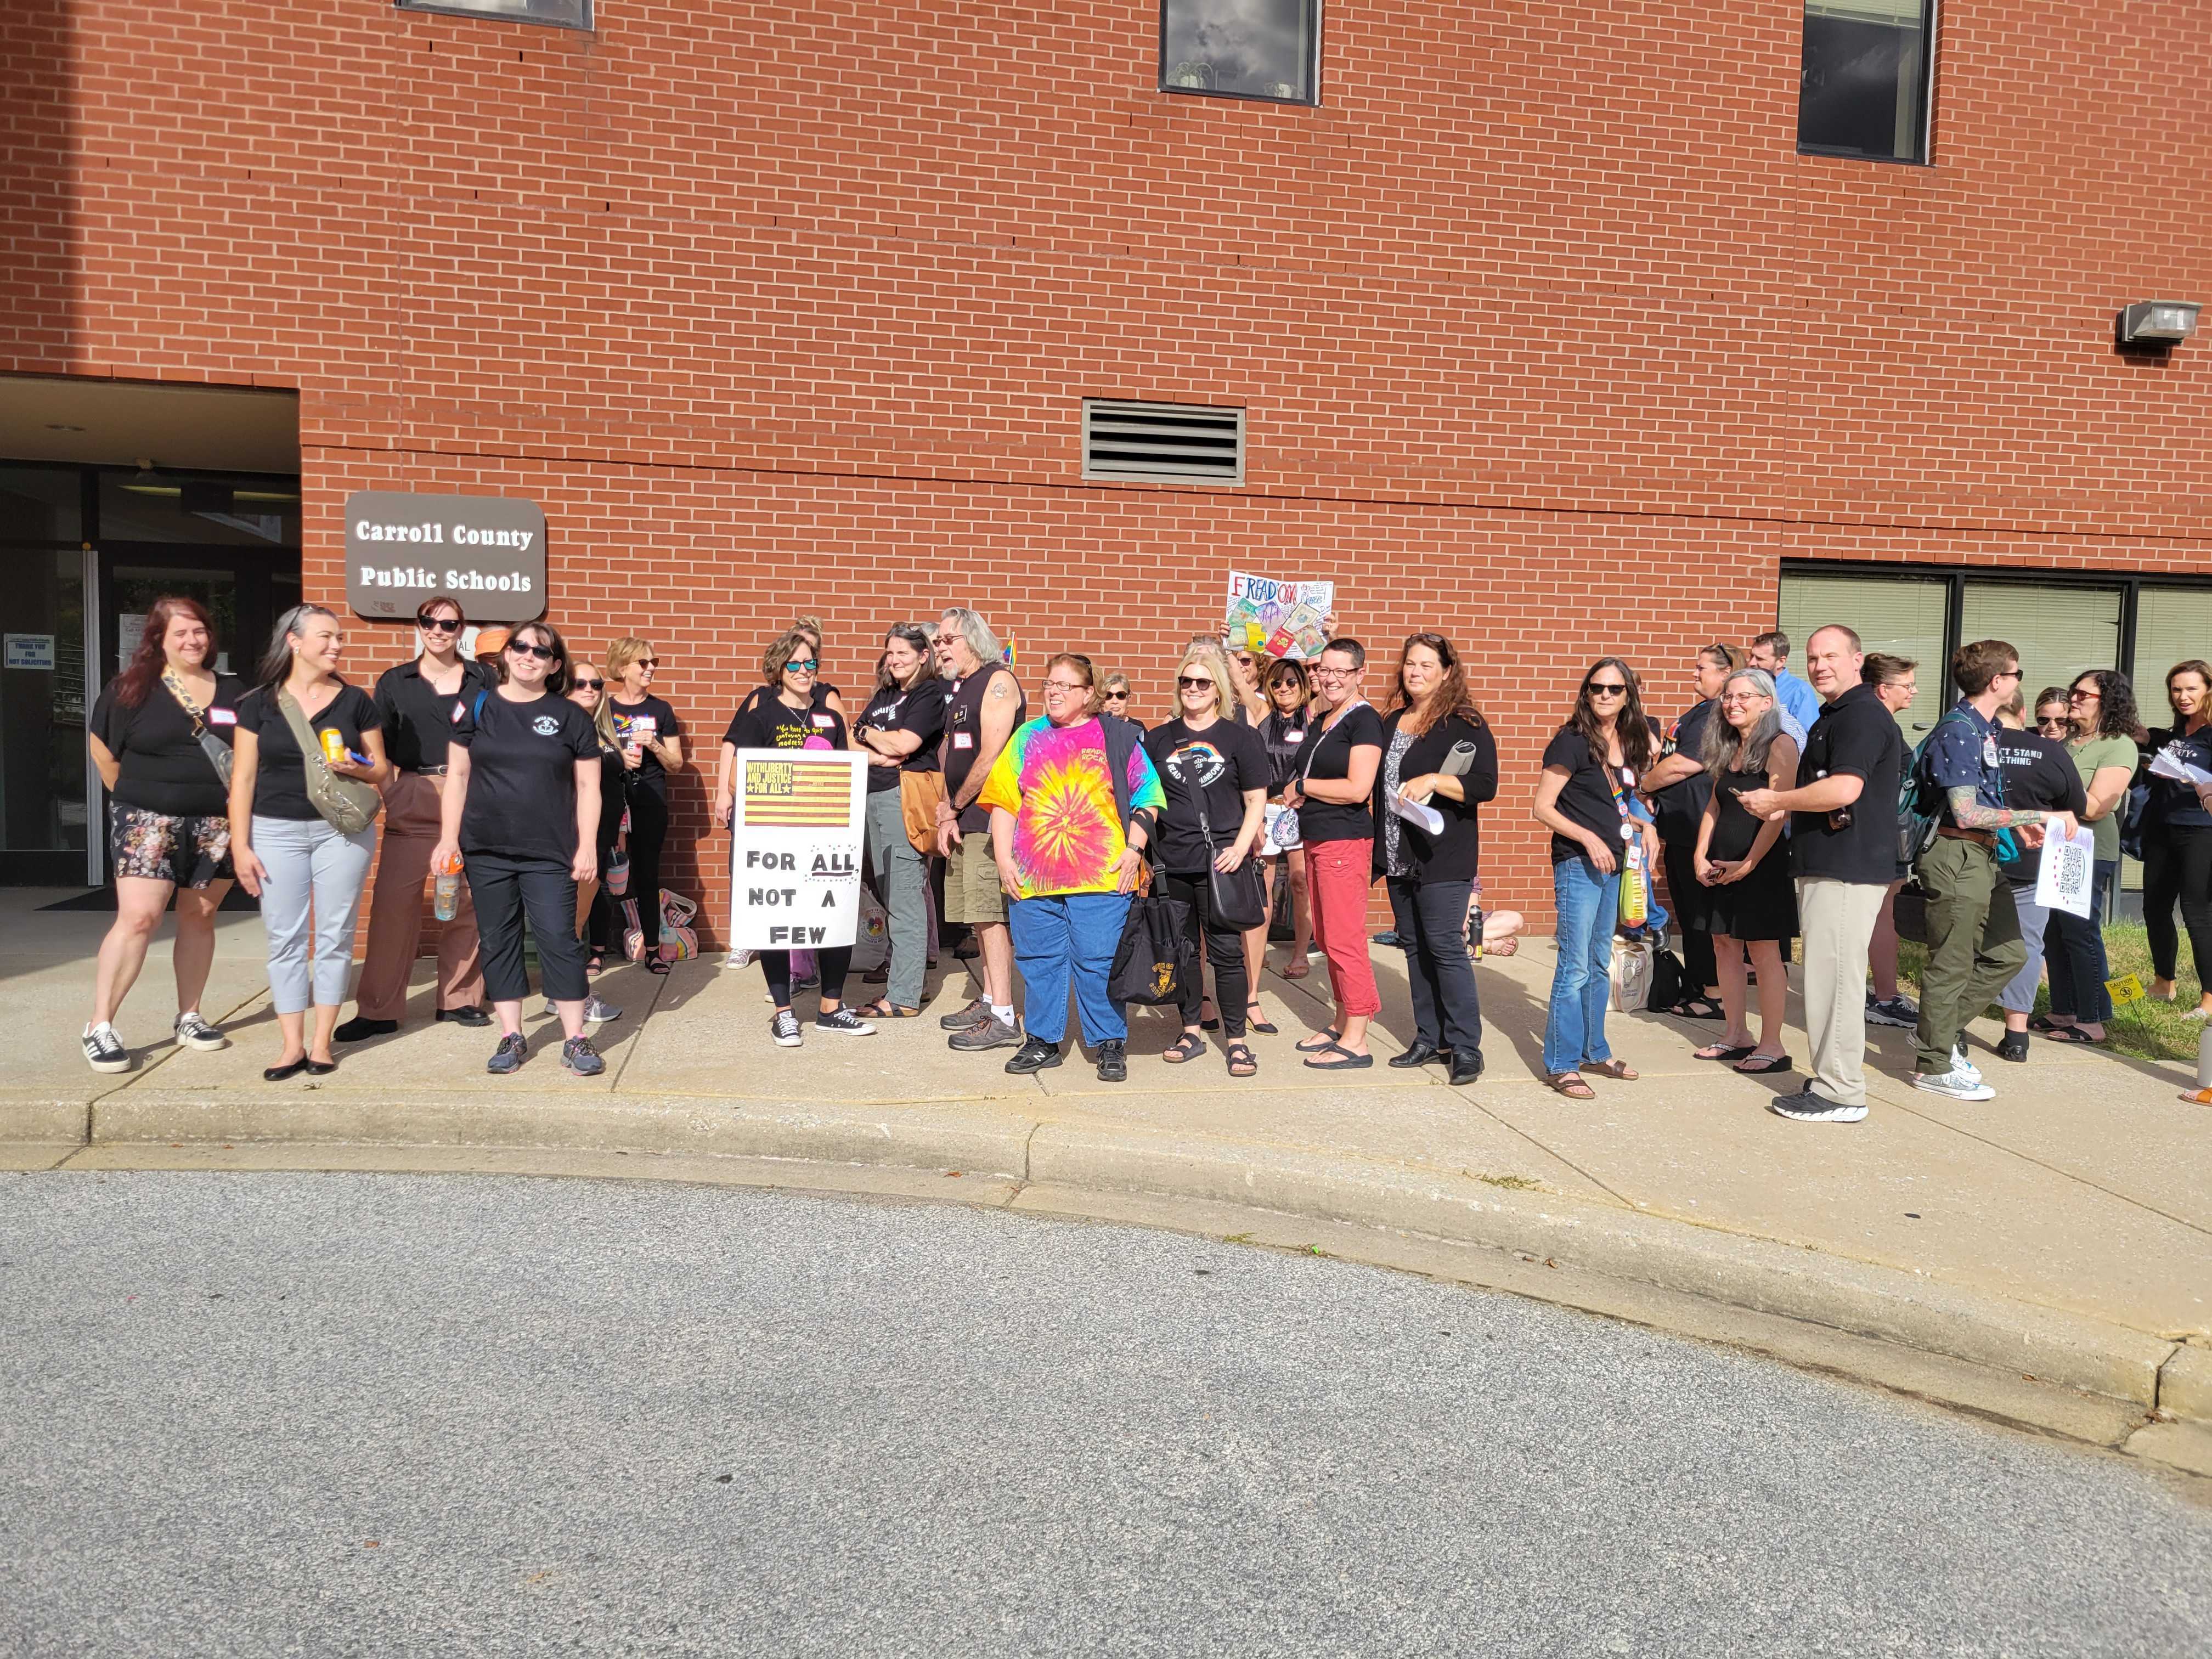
pixel 1969 813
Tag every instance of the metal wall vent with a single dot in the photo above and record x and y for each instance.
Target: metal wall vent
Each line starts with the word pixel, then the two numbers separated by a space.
pixel 1162 443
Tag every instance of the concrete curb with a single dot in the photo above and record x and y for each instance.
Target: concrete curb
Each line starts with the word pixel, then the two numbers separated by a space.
pixel 1070 1153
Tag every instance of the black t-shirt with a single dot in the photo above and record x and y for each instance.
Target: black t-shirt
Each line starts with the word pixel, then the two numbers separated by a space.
pixel 522 775
pixel 2039 774
pixel 163 768
pixel 1587 797
pixel 1210 769
pixel 1328 755
pixel 280 779
pixel 771 723
pixel 964 735
pixel 1855 736
pixel 822 694
pixel 631 716
pixel 2173 801
pixel 418 718
pixel 1283 735
pixel 1677 808
pixel 921 711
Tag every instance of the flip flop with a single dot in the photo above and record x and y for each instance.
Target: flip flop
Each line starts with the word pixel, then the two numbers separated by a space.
pixel 1715 1051
pixel 1329 1039
pixel 1760 1064
pixel 2073 1034
pixel 1188 1046
pixel 1260 1024
pixel 2045 1023
pixel 1349 1062
pixel 884 1008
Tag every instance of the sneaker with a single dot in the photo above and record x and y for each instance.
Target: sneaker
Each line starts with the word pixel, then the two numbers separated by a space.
pixel 844 1020
pixel 508 1056
pixel 598 1011
pixel 104 1050
pixel 195 1033
pixel 974 1014
pixel 1806 1107
pixel 989 1032
pixel 1892 1011
pixel 1113 1062
pixel 1961 1067
pixel 1953 1083
pixel 810 982
pixel 784 1028
pixel 1036 1055
pixel 578 1055
pixel 2013 1046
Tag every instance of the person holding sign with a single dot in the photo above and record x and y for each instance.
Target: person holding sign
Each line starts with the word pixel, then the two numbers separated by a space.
pixel 2038 772
pixel 789 718
pixel 2101 709
pixel 1074 800
pixel 1333 782
pixel 521 811
pixel 1591 768
pixel 1437 753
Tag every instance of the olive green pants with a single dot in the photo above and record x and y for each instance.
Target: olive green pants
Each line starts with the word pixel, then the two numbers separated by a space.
pixel 1974 946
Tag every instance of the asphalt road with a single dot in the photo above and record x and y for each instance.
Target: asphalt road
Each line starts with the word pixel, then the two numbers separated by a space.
pixel 261 1414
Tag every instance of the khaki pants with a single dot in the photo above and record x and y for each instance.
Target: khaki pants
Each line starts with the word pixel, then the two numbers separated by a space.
pixel 1836 922
pixel 411 806
pixel 1974 946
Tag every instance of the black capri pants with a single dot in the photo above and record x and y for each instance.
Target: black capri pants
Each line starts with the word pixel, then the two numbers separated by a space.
pixel 506 890
pixel 1224 949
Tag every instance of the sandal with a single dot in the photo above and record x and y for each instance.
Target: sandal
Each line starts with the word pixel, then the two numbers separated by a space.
pixel 1298 970
pixel 1255 1019
pixel 1188 1046
pixel 1570 1084
pixel 2072 1034
pixel 1618 1070
pixel 1504 947
pixel 1320 1042
pixel 884 1008
pixel 593 967
pixel 1718 1051
pixel 1760 1064
pixel 2045 1023
pixel 1347 1061
pixel 1698 1007
pixel 1241 1063
pixel 656 965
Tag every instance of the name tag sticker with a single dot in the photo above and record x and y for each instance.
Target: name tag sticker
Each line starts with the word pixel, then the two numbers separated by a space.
pixel 825 720
pixel 962 740
pixel 222 717
pixel 1294 737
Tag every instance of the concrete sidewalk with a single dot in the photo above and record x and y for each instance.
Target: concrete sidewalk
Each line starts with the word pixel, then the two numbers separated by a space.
pixel 2061 1233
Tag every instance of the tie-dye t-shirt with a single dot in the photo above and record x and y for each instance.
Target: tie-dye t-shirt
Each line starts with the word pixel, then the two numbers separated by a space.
pixel 1067 834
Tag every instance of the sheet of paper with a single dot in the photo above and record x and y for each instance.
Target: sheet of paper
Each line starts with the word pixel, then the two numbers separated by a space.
pixel 1421 817
pixel 2068 862
pixel 2166 764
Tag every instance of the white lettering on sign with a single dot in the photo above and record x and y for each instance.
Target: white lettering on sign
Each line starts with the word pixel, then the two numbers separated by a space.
pixel 463 535
pixel 480 581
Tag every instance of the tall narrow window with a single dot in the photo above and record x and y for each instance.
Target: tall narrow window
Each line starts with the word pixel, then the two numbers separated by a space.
pixel 1242 48
pixel 1866 78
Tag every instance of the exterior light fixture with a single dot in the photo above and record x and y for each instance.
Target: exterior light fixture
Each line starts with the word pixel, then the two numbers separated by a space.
pixel 2158 322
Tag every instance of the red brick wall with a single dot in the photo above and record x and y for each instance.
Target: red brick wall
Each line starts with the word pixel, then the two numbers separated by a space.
pixel 1548 337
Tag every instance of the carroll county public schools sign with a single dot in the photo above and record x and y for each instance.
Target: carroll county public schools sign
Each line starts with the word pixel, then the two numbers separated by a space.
pixel 488 552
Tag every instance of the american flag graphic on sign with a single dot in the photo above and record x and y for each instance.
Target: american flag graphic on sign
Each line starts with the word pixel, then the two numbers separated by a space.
pixel 798 794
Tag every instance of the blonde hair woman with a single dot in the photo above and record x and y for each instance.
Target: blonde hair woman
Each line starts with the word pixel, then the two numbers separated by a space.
pixel 652 739
pixel 596 920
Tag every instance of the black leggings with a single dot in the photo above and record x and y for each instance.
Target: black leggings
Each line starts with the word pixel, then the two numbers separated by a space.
pixel 648 829
pixel 1698 964
pixel 2177 869
pixel 834 961
pixel 1232 990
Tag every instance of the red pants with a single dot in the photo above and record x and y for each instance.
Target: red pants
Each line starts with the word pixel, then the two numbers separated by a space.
pixel 1338 875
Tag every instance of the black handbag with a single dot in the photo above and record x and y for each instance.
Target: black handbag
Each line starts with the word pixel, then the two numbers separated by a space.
pixel 1909 912
pixel 1155 959
pixel 1238 897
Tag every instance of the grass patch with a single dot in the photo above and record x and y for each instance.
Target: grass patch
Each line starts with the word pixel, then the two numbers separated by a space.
pixel 2147 1030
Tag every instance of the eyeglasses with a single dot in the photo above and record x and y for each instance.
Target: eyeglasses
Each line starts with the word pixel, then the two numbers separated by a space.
pixel 1193 682
pixel 439 624
pixel 1601 689
pixel 1330 674
pixel 543 652
pixel 943 639
pixel 1733 696
pixel 590 685
pixel 1051 686
pixel 795 666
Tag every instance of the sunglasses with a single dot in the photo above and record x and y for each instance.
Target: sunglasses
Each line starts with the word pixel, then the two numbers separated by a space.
pixel 439 624
pixel 647 662
pixel 797 667
pixel 590 685
pixel 1193 682
pixel 543 652
pixel 2051 719
pixel 2081 696
pixel 1599 690
pixel 1119 696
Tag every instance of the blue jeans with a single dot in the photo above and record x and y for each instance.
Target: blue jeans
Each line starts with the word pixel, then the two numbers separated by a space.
pixel 1063 937
pixel 1581 983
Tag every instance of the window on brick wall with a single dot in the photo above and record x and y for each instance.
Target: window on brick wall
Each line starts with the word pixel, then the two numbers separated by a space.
pixel 1867 66
pixel 564 13
pixel 1242 48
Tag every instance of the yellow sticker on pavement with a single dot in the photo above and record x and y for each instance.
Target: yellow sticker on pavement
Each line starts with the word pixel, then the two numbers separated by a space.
pixel 2126 989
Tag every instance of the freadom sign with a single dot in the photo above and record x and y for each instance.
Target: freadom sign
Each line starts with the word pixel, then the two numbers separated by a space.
pixel 488 552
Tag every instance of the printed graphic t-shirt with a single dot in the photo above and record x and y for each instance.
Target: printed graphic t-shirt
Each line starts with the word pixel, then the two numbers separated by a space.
pixel 1209 769
pixel 1068 830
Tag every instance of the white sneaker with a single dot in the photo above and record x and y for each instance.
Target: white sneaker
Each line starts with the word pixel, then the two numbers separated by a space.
pixel 1961 1067
pixel 1954 1084
pixel 194 1033
pixel 104 1050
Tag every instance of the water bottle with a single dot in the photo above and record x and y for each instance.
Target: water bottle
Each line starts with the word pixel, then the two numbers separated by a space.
pixel 1474 933
pixel 448 891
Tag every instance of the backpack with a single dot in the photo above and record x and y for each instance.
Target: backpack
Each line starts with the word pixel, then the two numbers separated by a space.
pixel 1919 802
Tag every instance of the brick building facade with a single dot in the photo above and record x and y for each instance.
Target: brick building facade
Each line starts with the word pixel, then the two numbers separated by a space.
pixel 1548 336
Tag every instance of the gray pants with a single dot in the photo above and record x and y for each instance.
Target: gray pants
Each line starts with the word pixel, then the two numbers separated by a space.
pixel 902 881
pixel 2018 996
pixel 307 860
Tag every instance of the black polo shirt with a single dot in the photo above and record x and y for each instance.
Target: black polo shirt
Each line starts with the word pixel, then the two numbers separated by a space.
pixel 418 719
pixel 1855 736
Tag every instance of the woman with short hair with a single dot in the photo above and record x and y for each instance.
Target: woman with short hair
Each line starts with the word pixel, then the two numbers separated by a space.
pixel 1282 733
pixel 2101 708
pixel 652 749
pixel 1213 773
pixel 898 733
pixel 1591 770
pixel 1074 801
pixel 522 813
pixel 288 853
pixel 1115 697
pixel 1437 753
pixel 2040 774
pixel 1332 783
pixel 168 829
pixel 1743 864
pixel 788 717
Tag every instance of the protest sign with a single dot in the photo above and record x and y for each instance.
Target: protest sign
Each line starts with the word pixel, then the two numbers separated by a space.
pixel 1278 618
pixel 795 831
pixel 2061 882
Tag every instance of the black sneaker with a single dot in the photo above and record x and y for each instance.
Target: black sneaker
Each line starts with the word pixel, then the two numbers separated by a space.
pixel 1036 1055
pixel 578 1055
pixel 844 1020
pixel 104 1050
pixel 194 1033
pixel 508 1056
pixel 990 1032
pixel 1806 1107
pixel 470 1017
pixel 783 1026
pixel 2013 1046
pixel 357 1027
pixel 974 1014
pixel 1112 1060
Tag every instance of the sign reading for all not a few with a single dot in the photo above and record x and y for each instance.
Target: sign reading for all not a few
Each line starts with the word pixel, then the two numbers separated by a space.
pixel 488 552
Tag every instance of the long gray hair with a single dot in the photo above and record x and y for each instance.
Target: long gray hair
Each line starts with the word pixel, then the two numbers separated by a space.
pixel 1720 746
pixel 971 627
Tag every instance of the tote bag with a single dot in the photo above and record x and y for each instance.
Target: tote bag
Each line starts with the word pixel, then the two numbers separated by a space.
pixel 1154 960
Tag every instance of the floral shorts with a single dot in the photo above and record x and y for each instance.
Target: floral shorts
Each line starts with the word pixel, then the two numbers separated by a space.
pixel 190 852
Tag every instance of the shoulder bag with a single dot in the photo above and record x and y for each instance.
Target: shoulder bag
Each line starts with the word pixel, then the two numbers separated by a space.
pixel 918 795
pixel 216 751
pixel 347 804
pixel 1238 897
pixel 1155 958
